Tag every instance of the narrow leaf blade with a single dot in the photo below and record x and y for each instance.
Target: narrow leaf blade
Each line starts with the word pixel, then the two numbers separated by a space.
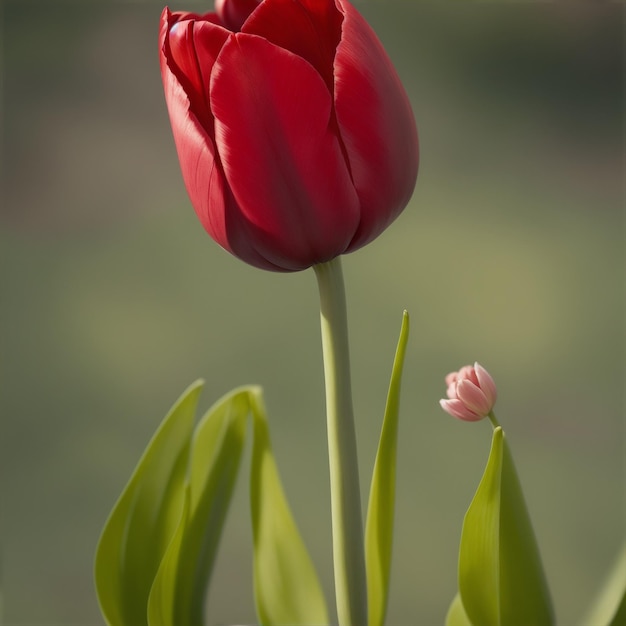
pixel 287 590
pixel 380 513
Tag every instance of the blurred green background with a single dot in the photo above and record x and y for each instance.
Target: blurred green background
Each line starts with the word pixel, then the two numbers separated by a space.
pixel 511 252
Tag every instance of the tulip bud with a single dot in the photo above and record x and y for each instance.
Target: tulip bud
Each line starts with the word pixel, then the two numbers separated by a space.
pixel 471 393
pixel 295 137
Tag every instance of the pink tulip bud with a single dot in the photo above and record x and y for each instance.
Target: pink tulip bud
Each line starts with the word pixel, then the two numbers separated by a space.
pixel 295 136
pixel 471 393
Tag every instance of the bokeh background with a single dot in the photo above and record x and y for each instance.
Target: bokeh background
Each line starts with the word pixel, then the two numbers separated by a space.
pixel 511 252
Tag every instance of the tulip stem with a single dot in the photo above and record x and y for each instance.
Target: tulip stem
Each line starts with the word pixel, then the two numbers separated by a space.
pixel 492 418
pixel 347 523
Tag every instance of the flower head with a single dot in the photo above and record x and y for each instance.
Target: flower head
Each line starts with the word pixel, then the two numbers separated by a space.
pixel 471 393
pixel 295 137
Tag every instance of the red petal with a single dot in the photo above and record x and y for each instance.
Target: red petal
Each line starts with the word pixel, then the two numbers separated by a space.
pixel 202 173
pixel 309 29
pixel 376 125
pixel 283 164
pixel 191 47
pixel 233 13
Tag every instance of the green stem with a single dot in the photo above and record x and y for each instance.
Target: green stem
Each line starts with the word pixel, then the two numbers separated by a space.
pixel 492 418
pixel 347 523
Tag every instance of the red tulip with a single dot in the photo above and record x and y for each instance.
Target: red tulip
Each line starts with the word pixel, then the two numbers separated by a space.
pixel 295 136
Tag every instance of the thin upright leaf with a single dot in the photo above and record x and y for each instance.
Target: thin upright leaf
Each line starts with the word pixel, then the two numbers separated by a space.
pixel 380 513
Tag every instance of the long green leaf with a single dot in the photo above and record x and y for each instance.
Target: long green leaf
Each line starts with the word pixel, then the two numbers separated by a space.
pixel 501 580
pixel 380 512
pixel 216 456
pixel 162 599
pixel 286 587
pixel 144 519
pixel 479 563
pixel 524 594
pixel 177 597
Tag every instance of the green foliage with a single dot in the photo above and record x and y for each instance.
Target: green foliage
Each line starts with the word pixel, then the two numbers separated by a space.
pixel 162 599
pixel 501 580
pixel 158 547
pixel 144 518
pixel 286 587
pixel 178 593
pixel 380 513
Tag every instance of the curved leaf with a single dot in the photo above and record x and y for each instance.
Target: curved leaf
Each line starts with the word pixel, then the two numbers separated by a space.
pixel 162 599
pixel 479 563
pixel 142 522
pixel 524 594
pixel 177 597
pixel 501 580
pixel 286 587
pixel 380 512
pixel 157 550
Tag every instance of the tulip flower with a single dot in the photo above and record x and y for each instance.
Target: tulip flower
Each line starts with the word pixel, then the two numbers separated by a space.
pixel 295 136
pixel 471 393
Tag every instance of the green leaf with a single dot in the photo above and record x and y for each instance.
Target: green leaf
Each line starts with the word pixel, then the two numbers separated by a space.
pixel 501 580
pixel 524 593
pixel 380 513
pixel 144 519
pixel 162 599
pixel 157 551
pixel 609 608
pixel 479 570
pixel 286 587
pixel 456 613
pixel 177 597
